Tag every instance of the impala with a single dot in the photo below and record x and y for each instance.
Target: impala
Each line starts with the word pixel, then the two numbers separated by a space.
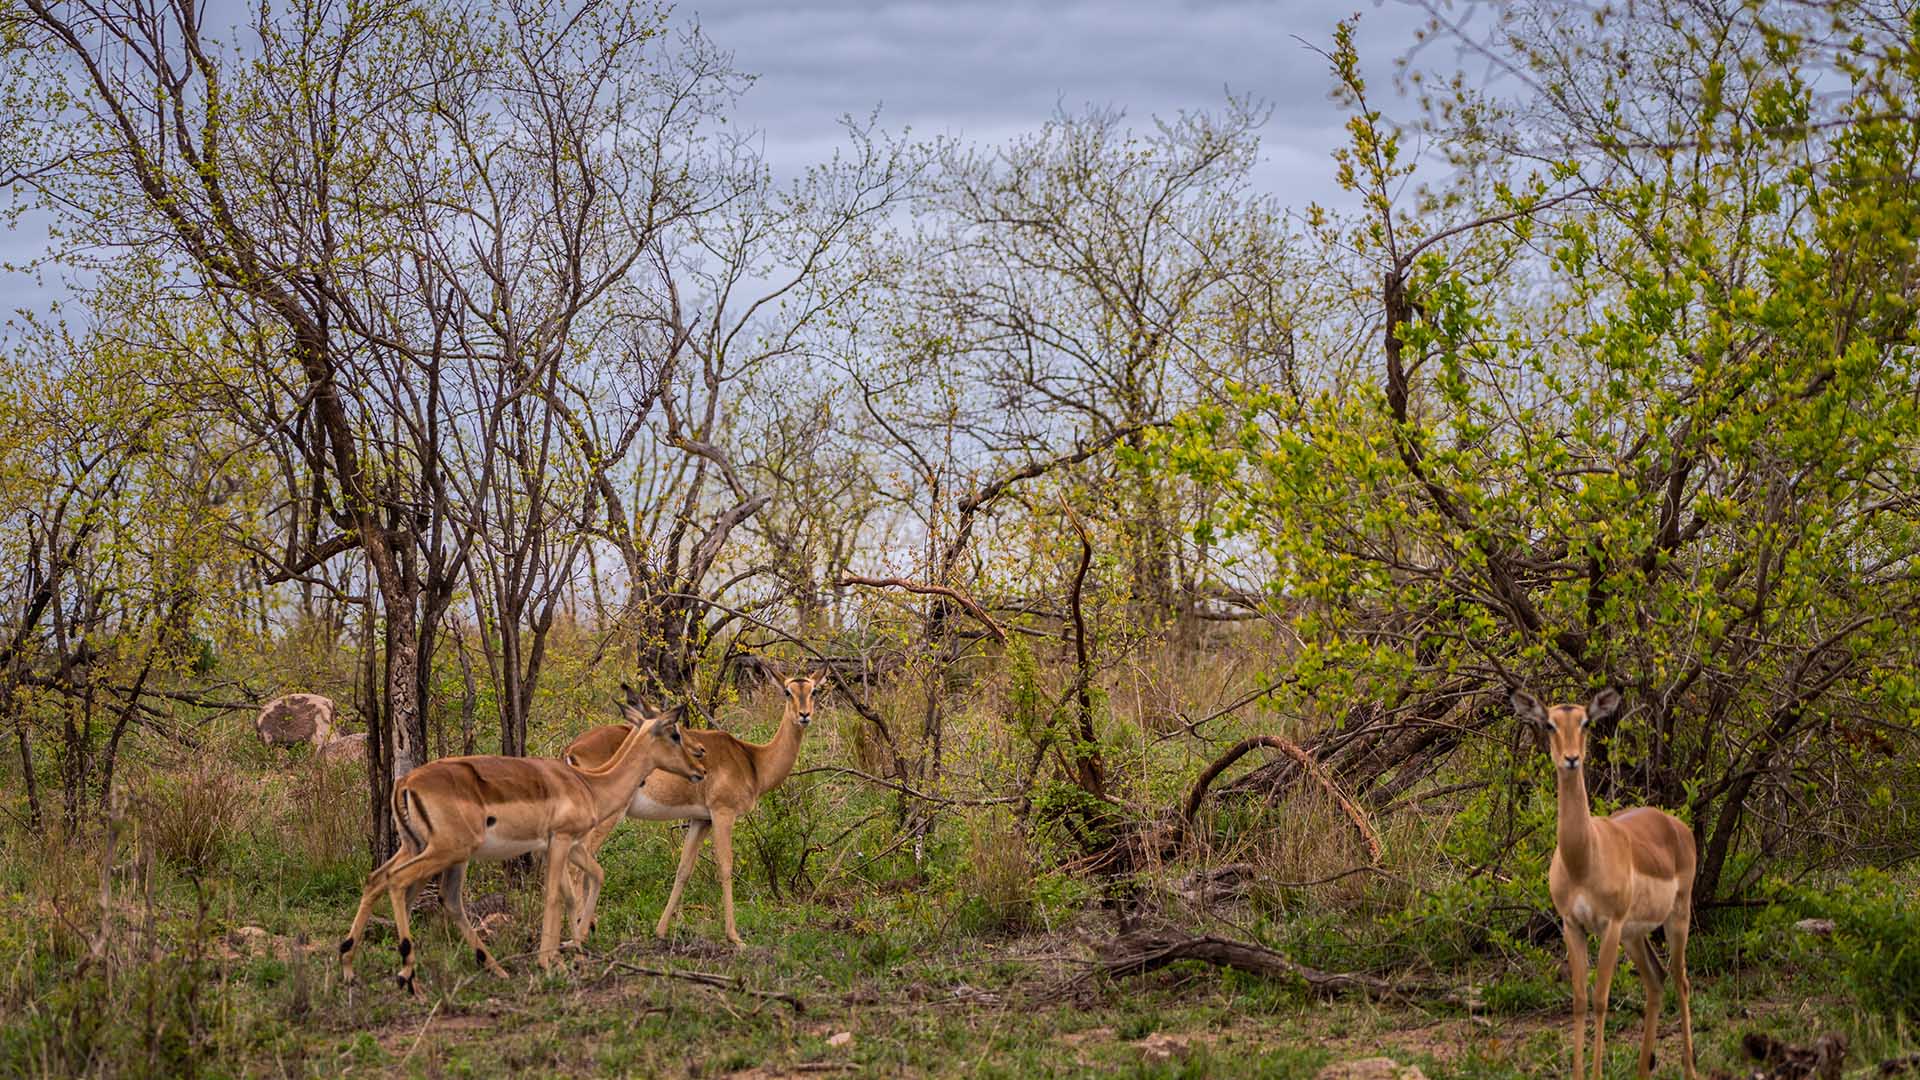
pixel 1618 877
pixel 454 810
pixel 738 774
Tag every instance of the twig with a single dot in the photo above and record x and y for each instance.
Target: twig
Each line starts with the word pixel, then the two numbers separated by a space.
pixel 958 597
pixel 709 979
pixel 1330 878
pixel 905 790
pixel 1191 727
pixel 424 1025
pixel 1427 796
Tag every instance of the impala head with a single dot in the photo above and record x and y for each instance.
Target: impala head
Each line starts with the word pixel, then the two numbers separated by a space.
pixel 1565 726
pixel 800 696
pixel 672 750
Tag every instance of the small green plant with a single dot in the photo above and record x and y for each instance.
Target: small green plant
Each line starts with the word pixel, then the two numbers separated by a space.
pixel 1877 937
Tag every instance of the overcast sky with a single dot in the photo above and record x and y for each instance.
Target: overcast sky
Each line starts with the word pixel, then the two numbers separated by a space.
pixel 986 69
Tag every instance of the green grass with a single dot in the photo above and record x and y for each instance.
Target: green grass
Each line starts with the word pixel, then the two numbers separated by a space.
pixel 919 992
pixel 960 965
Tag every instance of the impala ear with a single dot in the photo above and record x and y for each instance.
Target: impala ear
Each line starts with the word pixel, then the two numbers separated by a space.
pixel 633 696
pixel 1603 705
pixel 819 677
pixel 1528 708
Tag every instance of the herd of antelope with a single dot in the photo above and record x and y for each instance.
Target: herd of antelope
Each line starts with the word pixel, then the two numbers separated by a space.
pixel 1617 877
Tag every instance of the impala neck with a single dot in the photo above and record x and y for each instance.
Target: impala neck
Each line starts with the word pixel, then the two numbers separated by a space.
pixel 613 784
pixel 773 762
pixel 1575 830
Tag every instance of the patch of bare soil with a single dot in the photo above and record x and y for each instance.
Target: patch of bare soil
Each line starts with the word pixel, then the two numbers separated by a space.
pixel 403 1036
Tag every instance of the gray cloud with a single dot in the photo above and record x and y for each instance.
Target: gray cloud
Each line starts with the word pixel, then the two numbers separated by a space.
pixel 984 70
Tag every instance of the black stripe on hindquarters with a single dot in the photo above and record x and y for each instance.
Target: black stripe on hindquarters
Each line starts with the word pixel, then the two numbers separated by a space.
pixel 420 804
pixel 406 824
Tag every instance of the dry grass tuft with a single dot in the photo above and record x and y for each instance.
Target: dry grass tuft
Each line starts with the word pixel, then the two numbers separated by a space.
pixel 999 872
pixel 190 816
pixel 326 815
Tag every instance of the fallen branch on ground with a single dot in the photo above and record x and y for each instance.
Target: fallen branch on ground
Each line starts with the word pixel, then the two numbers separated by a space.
pixel 718 982
pixel 1138 951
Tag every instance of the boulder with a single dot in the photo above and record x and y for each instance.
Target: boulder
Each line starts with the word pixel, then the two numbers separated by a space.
pixel 345 748
pixel 296 718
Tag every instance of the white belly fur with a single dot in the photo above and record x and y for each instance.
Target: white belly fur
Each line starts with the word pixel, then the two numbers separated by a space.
pixel 506 847
pixel 646 808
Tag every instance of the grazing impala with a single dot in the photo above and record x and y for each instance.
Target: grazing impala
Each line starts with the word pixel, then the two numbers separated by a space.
pixel 1618 877
pixel 458 809
pixel 738 774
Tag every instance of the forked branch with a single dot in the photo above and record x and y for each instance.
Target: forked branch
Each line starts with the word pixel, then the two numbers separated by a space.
pixel 1307 762
pixel 966 602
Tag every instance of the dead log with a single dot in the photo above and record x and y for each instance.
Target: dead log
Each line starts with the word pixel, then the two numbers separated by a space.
pixel 1142 950
pixel 1377 753
pixel 1821 1060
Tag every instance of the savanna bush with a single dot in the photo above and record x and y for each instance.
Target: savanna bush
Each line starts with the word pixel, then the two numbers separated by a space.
pixel 1876 939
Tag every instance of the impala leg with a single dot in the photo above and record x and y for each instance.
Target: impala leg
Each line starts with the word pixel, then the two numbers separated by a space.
pixel 589 877
pixel 591 843
pixel 1577 971
pixel 376 884
pixel 559 851
pixel 723 863
pixel 451 880
pixel 1602 986
pixel 689 854
pixel 397 892
pixel 399 880
pixel 1677 928
pixel 453 889
pixel 1640 950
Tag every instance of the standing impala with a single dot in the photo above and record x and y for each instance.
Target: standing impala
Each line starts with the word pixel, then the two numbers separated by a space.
pixel 458 809
pixel 738 773
pixel 1618 877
